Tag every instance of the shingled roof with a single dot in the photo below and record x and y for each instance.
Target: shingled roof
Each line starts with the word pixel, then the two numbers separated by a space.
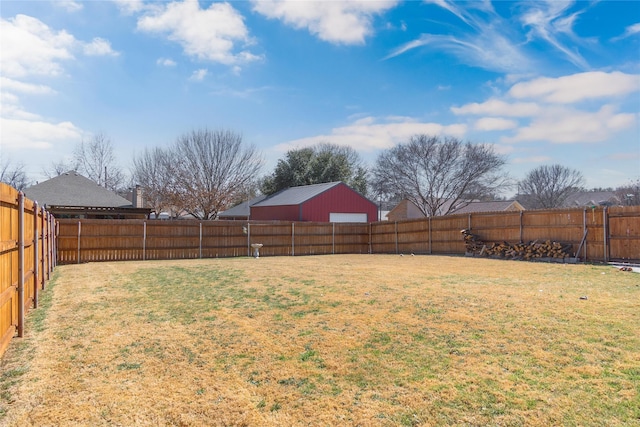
pixel 73 189
pixel 494 206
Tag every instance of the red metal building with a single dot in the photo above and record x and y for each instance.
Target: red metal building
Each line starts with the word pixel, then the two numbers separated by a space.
pixel 328 202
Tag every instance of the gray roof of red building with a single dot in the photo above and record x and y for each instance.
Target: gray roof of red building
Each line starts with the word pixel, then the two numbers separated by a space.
pixel 297 195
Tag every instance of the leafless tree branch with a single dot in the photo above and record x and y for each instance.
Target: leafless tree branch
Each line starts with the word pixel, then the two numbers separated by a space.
pixel 548 186
pixel 212 168
pixel 439 175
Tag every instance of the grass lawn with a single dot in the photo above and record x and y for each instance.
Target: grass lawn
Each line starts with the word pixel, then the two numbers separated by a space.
pixel 367 340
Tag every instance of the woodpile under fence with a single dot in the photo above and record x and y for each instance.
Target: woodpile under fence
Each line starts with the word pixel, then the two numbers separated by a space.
pixel 516 251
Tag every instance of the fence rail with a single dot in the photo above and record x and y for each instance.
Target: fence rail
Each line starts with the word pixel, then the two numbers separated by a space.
pixel 27 258
pixel 598 234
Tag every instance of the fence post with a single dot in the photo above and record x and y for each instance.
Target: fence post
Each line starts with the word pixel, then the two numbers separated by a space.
pixel 200 242
pixel 605 219
pixel 370 238
pixel 45 261
pixel 293 240
pixel 584 230
pixel 521 227
pixel 333 238
pixel 20 264
pixel 396 228
pixel 36 258
pixel 53 230
pixel 144 240
pixel 79 232
pixel 430 252
pixel 248 239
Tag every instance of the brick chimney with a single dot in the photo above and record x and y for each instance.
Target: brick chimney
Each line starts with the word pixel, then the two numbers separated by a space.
pixel 137 201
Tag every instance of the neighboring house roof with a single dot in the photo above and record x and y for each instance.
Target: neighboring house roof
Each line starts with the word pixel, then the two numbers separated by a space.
pixel 496 206
pixel 408 210
pixel 297 195
pixel 73 189
pixel 242 209
pixel 592 198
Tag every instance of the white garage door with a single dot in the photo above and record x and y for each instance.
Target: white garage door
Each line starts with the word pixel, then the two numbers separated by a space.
pixel 347 217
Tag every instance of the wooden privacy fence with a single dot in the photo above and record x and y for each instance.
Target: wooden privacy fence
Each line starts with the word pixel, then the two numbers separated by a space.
pixel 115 240
pixel 595 234
pixel 27 258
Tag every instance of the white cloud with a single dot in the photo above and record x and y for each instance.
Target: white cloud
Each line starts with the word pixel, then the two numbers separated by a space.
pixel 199 75
pixel 630 31
pixel 12 85
pixel 99 47
pixel 564 126
pixel 485 41
pixel 30 47
pixel 497 107
pixel 550 118
pixel 577 87
pixel 206 34
pixel 551 22
pixel 490 50
pixel 29 134
pixel 11 109
pixel 494 123
pixel 69 5
pixel 369 133
pixel 339 22
pixel 130 7
pixel 7 98
pixel 166 62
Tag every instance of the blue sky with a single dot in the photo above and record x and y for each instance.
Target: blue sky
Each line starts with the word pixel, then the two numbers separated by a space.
pixel 545 82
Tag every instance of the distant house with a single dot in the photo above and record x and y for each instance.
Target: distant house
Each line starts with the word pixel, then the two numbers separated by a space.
pixel 71 195
pixel 405 210
pixel 494 206
pixel 591 198
pixel 328 202
pixel 408 210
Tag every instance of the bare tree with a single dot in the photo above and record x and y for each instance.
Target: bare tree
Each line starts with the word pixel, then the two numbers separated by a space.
pixel 58 168
pixel 13 174
pixel 212 169
pixel 629 194
pixel 153 171
pixel 548 186
pixel 439 175
pixel 96 160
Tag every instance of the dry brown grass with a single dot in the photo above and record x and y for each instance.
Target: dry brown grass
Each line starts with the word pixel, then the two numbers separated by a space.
pixel 330 340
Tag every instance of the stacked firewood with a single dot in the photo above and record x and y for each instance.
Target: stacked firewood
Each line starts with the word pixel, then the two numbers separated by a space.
pixel 516 251
pixel 472 242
